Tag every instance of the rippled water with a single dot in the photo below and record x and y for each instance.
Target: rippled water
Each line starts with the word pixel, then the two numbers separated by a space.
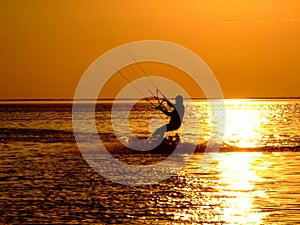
pixel 249 123
pixel 45 180
pixel 51 183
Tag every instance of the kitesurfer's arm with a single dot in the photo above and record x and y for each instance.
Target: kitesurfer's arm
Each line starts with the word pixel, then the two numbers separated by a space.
pixel 169 103
pixel 166 112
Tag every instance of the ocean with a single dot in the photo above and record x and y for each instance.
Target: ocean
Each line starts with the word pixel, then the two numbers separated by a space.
pixel 253 179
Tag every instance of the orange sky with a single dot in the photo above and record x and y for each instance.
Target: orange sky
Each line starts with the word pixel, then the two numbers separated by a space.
pixel 252 46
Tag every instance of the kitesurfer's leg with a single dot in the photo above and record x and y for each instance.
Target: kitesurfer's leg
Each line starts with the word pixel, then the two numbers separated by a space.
pixel 159 134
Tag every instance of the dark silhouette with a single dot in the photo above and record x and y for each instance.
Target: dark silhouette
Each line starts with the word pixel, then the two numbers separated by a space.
pixel 175 115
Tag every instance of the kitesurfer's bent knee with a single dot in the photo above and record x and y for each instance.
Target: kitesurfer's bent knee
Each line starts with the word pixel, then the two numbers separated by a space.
pixel 171 127
pixel 160 131
pixel 165 128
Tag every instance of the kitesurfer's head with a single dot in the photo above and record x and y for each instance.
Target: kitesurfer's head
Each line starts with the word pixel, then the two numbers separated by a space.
pixel 179 99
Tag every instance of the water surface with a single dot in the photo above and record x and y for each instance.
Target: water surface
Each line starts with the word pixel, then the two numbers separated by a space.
pixel 45 180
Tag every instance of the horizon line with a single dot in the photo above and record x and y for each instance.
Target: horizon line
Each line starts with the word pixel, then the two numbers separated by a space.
pixel 110 99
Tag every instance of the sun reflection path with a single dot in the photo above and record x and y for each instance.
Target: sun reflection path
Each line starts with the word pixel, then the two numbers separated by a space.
pixel 230 193
pixel 238 177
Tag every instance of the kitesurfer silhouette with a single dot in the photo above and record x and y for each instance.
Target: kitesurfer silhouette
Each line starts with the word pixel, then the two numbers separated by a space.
pixel 176 116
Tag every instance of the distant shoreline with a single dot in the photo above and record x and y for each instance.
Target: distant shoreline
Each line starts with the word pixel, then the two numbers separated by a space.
pixel 126 99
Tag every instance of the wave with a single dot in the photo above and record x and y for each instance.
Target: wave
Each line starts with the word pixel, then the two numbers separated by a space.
pixel 113 145
pixel 169 145
pixel 35 135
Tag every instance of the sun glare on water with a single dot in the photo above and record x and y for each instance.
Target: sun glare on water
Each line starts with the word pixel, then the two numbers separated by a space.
pixel 244 124
pixel 243 127
pixel 238 177
pixel 232 196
